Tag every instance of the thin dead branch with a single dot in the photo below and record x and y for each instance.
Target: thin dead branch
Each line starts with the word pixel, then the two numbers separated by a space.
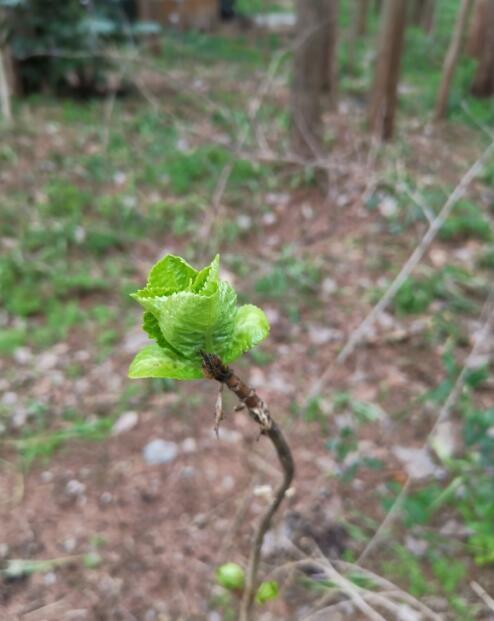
pixel 359 333
pixel 480 339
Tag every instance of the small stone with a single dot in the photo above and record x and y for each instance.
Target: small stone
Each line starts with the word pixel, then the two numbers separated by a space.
pixel 418 547
pixel 388 207
pixel 9 399
pixel 50 578
pixel 228 483
pixel 187 472
pixel 46 362
pixel 244 222
pixel 106 498
pixel 189 445
pixel 70 544
pixel 159 451
pixel 19 418
pixel 417 461
pixel 269 218
pixel 124 423
pixel 119 178
pixel 23 355
pixel 75 488
pixel 46 476
pixel 307 211
pixel 320 335
pixel 79 234
pixel 329 286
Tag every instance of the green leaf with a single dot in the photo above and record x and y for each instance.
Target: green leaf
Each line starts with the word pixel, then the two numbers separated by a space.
pixel 173 273
pixel 155 361
pixel 267 591
pixel 191 322
pixel 188 312
pixel 251 327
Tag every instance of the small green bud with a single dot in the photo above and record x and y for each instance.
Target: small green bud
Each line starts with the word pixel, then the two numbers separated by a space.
pixel 231 576
pixel 267 591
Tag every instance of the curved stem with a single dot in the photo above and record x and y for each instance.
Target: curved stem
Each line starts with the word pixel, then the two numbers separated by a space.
pixel 259 412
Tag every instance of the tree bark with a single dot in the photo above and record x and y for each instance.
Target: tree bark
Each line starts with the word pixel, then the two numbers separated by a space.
pixel 330 71
pixel 361 17
pixel 5 106
pixel 382 108
pixel 310 68
pixel 422 14
pixel 451 59
pixel 476 31
pixel 483 82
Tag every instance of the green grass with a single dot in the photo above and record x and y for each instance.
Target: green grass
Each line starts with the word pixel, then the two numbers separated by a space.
pixel 32 446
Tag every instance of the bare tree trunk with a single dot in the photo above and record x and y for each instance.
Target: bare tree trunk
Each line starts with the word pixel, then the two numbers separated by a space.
pixel 483 82
pixel 330 76
pixel 476 32
pixel 4 89
pixel 422 12
pixel 384 97
pixel 429 15
pixel 309 75
pixel 362 17
pixel 451 59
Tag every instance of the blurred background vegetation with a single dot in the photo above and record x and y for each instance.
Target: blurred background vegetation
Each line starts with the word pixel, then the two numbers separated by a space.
pixel 133 129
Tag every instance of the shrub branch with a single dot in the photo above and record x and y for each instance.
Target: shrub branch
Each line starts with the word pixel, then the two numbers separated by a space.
pixel 259 412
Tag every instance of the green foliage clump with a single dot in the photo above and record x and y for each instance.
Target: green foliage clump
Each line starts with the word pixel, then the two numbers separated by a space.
pixel 60 44
pixel 289 275
pixel 451 284
pixel 188 312
pixel 466 222
pixel 414 296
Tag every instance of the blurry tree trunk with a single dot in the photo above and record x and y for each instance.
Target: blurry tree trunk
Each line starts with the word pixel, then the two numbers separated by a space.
pixel 476 32
pixel 377 6
pixel 330 75
pixel 451 59
pixel 5 108
pixel 310 74
pixel 483 82
pixel 361 17
pixel 384 96
pixel 4 88
pixel 423 12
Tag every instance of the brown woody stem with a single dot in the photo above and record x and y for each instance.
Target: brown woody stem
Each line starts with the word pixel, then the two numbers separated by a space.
pixel 215 369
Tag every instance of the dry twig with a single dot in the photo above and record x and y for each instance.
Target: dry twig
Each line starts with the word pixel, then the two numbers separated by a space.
pixel 412 262
pixel 480 340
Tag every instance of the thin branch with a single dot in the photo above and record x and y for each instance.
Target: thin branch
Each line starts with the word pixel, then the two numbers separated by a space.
pixel 412 262
pixel 480 340
pixel 259 412
pixel 482 593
